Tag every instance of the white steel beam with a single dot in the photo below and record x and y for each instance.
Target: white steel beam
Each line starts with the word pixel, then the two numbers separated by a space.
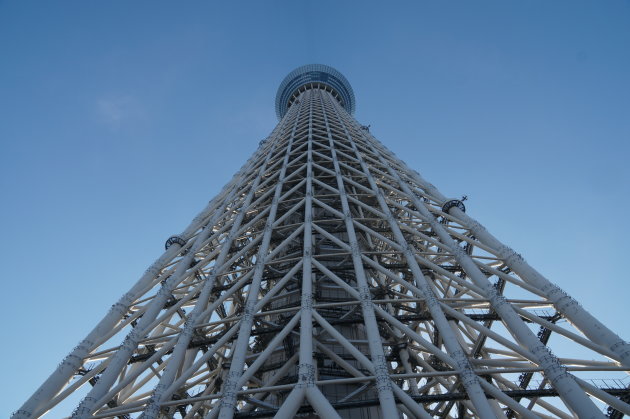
pixel 554 370
pixel 327 274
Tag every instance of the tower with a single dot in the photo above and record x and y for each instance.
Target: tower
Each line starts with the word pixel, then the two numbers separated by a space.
pixel 327 279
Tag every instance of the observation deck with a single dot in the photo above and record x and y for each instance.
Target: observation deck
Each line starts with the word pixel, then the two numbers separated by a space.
pixel 314 76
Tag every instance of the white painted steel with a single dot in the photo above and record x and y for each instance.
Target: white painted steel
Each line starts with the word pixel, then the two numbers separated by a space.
pixel 228 401
pixel 383 383
pixel 126 349
pixel 469 379
pixel 554 370
pixel 326 277
pixel 564 303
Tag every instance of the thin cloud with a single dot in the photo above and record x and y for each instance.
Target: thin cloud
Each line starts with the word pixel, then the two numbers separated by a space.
pixel 115 111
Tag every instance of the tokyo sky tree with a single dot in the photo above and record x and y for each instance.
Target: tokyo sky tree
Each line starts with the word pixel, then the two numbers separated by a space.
pixel 327 279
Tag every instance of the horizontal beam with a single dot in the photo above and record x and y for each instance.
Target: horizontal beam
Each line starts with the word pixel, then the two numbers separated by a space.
pixel 428 398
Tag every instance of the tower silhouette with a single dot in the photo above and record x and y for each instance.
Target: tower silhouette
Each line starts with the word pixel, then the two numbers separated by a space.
pixel 327 279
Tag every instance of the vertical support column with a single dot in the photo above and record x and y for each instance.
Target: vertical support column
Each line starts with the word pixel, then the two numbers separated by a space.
pixel 468 378
pixel 228 400
pixel 306 367
pixel 568 389
pixel 375 344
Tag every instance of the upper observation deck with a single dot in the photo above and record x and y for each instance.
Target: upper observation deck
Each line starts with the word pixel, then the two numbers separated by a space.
pixel 314 76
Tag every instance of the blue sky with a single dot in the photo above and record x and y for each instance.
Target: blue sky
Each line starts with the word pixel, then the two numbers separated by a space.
pixel 120 120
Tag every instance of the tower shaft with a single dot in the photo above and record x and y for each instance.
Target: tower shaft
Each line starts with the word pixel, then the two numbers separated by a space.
pixel 327 279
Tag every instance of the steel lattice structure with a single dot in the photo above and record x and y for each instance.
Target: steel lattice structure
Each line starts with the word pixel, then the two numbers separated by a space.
pixel 328 279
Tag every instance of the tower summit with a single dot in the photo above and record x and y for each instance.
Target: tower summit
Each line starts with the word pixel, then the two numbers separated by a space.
pixel 327 279
pixel 314 76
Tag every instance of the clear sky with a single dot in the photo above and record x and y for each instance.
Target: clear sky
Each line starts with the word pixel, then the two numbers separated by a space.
pixel 120 120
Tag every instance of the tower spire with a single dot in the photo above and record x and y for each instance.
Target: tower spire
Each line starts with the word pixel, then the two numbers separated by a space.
pixel 327 279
